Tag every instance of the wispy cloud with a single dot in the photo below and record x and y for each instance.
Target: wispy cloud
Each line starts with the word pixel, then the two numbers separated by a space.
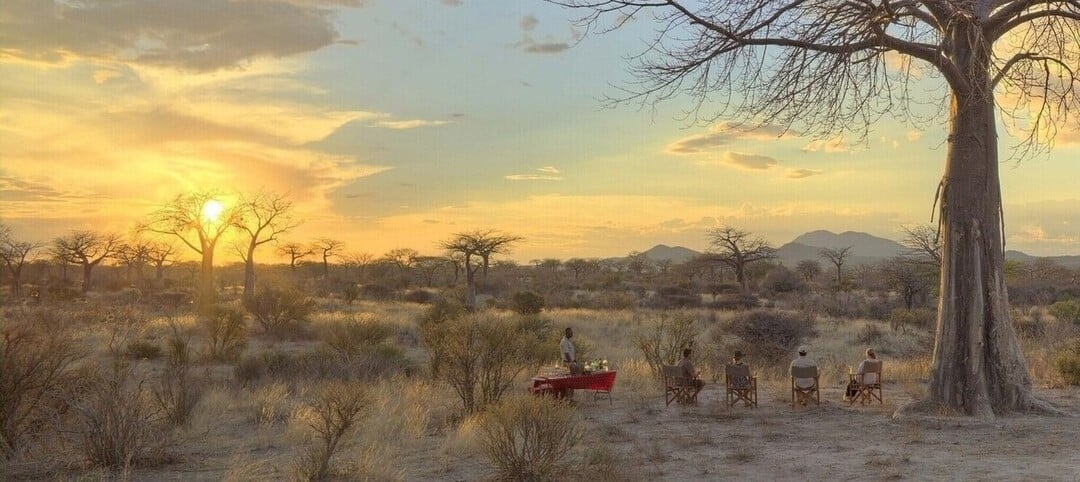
pixel 913 135
pixel 550 170
pixel 411 124
pixel 803 173
pixel 726 133
pixel 835 144
pixel 529 22
pixel 452 3
pixel 547 173
pixel 548 45
pixel 750 161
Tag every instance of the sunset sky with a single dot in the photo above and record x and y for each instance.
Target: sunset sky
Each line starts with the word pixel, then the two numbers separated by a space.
pixel 394 123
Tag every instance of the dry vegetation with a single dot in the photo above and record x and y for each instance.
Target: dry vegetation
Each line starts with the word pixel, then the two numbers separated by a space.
pixel 393 391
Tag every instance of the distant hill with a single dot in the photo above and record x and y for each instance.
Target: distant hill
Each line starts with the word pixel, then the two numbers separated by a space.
pixel 862 244
pixel 677 254
pixel 1066 261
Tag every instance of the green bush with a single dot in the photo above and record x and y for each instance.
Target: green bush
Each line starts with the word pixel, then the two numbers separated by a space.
pixel 281 312
pixel 527 303
pixel 1068 363
pixel 1067 311
pixel 528 438
pixel 771 335
pixel 142 350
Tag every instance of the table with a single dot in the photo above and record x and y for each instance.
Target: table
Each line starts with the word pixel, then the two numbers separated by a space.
pixel 600 383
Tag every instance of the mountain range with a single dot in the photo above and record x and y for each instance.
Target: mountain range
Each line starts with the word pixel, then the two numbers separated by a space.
pixel 866 248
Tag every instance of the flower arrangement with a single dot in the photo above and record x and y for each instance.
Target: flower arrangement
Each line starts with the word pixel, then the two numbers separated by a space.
pixel 596 365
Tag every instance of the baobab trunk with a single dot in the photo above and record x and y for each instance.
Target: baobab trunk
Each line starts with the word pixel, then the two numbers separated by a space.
pixel 249 274
pixel 206 278
pixel 978 367
pixel 87 268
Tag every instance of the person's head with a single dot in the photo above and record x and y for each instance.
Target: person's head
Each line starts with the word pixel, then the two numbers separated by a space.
pixel 802 350
pixel 569 332
pixel 738 355
pixel 870 353
pixel 686 352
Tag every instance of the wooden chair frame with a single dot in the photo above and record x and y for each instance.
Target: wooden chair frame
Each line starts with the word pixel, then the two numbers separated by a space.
pixel 746 393
pixel 866 392
pixel 678 388
pixel 808 394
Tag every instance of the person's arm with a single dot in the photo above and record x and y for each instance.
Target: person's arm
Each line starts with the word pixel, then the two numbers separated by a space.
pixel 861 369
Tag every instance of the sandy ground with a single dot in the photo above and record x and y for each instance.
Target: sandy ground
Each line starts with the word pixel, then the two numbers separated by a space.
pixel 832 442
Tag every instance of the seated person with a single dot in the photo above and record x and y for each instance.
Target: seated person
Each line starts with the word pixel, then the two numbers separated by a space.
pixel 569 354
pixel 688 370
pixel 739 382
pixel 803 361
pixel 867 378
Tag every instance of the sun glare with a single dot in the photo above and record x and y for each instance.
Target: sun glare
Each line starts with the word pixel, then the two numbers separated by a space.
pixel 212 209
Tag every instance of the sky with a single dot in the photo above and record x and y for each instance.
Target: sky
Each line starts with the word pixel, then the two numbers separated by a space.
pixel 396 123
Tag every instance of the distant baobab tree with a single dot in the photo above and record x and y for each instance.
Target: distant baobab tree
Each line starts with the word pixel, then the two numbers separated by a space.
pixel 327 248
pixel 15 254
pixel 198 220
pixel 923 241
pixel 735 248
pixel 825 67
pixel 88 249
pixel 837 257
pixel 161 255
pixel 134 255
pixel 481 244
pixel 262 217
pixel 295 252
pixel 359 260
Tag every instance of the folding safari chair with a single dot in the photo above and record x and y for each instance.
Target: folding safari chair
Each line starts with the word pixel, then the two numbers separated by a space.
pixel 740 385
pixel 866 392
pixel 804 395
pixel 678 387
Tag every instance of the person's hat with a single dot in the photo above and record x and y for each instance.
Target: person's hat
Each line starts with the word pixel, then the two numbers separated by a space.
pixel 738 354
pixel 802 350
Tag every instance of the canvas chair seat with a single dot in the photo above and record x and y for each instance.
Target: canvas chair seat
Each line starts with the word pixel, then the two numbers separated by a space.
pixel 866 385
pixel 804 395
pixel 740 385
pixel 678 387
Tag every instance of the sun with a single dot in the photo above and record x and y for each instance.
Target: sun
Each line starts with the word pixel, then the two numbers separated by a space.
pixel 211 210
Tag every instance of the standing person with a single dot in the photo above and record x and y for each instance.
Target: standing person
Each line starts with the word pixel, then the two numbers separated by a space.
pixel 867 378
pixel 803 361
pixel 569 354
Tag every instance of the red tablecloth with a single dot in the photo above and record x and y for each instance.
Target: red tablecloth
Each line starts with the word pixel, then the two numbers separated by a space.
pixel 599 381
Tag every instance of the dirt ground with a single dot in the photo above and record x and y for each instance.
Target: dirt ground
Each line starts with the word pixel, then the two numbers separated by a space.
pixel 835 441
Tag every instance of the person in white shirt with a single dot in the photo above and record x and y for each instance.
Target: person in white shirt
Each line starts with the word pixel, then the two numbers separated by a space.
pixel 803 361
pixel 867 378
pixel 569 355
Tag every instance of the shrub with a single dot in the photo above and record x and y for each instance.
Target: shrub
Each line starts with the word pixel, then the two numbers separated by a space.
pixel 922 318
pixel 117 425
pixel 480 355
pixel 383 361
pixel 143 350
pixel 331 416
pixel 663 342
pixel 1067 311
pixel 36 361
pixel 734 302
pixel 670 297
pixel 350 292
pixel 178 391
pixel 226 332
pixel 527 438
pixel 443 310
pixel 353 337
pixel 281 312
pixel 783 280
pixel 422 297
pixel 869 334
pixel 771 335
pixel 527 303
pixel 1068 363
pixel 376 292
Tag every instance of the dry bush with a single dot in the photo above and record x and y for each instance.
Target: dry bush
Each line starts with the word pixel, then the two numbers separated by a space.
pixel 663 342
pixel 1067 363
pixel 281 313
pixel 480 355
pixel 769 335
pixel 118 425
pixel 900 319
pixel 527 303
pixel 354 337
pixel 870 334
pixel 36 361
pixel 383 361
pixel 179 390
pixel 143 350
pixel 331 415
pixel 527 438
pixel 226 332
pixel 1067 311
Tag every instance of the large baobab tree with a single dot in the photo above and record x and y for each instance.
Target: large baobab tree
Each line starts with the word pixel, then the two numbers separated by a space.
pixel 735 248
pixel 198 220
pixel 327 248
pixel 825 67
pixel 837 257
pixel 489 243
pixel 482 244
pixel 87 248
pixel 262 217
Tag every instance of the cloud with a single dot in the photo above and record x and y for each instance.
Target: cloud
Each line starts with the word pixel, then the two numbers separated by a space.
pixel 726 133
pixel 452 3
pixel 529 22
pixel 531 47
pixel 411 124
pixel 913 135
pixel 198 36
pixel 750 161
pixel 835 144
pixel 802 173
pixel 547 173
pixel 550 170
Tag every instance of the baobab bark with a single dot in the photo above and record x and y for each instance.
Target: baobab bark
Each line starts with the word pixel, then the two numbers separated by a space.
pixel 978 367
pixel 206 278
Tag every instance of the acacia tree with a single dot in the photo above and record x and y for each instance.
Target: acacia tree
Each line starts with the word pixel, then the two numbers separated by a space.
pixel 808 269
pixel 482 244
pixel 161 255
pixel 262 218
pixel 198 220
pixel 134 255
pixel 737 249
pixel 837 257
pixel 922 242
pixel 403 259
pixel 327 248
pixel 295 252
pixel 87 248
pixel 824 66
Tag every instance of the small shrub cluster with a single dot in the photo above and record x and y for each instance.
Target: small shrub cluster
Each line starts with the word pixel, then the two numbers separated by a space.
pixel 179 389
pixel 226 332
pixel 280 312
pixel 118 425
pixel 770 335
pixel 280 366
pixel 922 318
pixel 1067 311
pixel 528 438
pixel 142 350
pixel 1068 363
pixel 674 297
pixel 734 302
pixel 869 334
pixel 350 292
pixel 354 337
pixel 377 292
pixel 662 342
pixel 331 416
pixel 423 297
pixel 783 280
pixel 527 303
